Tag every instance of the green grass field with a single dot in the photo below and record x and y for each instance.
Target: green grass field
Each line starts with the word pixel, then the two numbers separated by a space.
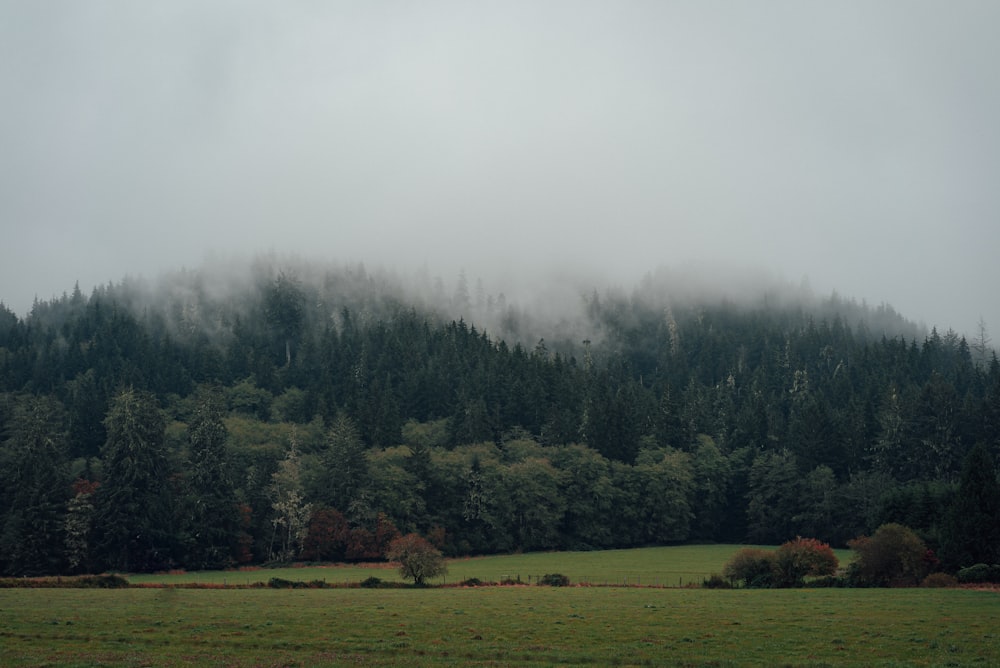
pixel 499 626
pixel 656 566
pixel 655 623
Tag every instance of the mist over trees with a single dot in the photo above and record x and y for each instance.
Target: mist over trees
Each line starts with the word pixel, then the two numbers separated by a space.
pixel 283 410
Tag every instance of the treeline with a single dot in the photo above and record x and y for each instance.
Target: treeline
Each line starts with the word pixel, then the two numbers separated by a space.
pixel 314 414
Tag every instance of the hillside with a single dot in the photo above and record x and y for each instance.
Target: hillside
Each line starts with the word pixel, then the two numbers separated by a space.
pixel 286 410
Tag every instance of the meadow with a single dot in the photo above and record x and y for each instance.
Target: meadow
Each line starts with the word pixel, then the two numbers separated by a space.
pixel 642 624
pixel 671 566
pixel 530 626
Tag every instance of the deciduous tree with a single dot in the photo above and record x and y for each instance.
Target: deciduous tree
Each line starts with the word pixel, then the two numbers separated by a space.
pixel 418 559
pixel 803 557
pixel 893 556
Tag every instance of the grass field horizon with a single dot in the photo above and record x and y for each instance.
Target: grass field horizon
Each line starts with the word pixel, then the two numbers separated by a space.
pixel 668 566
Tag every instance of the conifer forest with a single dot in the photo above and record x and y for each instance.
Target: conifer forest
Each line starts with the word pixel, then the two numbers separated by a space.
pixel 299 412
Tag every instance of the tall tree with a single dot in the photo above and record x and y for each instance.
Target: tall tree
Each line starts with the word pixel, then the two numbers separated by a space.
pixel 972 530
pixel 290 519
pixel 34 486
pixel 774 497
pixel 343 471
pixel 132 515
pixel 284 302
pixel 215 520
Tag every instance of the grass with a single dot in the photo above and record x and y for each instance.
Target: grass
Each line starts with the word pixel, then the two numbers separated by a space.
pixel 529 626
pixel 656 566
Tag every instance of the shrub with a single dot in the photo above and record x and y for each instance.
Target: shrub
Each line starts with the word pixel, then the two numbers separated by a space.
pixel 103 581
pixel 979 573
pixel 554 580
pixel 371 582
pixel 802 557
pixel 939 581
pixel 753 566
pixel 716 581
pixel 827 581
pixel 281 583
pixel 893 556
pixel 472 582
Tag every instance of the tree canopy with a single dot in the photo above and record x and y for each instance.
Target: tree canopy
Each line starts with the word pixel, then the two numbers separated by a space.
pixel 312 410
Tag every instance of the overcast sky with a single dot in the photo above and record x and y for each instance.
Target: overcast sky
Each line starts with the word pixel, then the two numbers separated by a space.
pixel 853 143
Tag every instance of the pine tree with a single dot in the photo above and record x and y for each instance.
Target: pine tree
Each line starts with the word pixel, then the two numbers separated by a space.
pixel 972 530
pixel 215 523
pixel 35 487
pixel 133 501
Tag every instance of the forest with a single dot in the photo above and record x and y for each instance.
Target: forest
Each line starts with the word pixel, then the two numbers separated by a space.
pixel 296 411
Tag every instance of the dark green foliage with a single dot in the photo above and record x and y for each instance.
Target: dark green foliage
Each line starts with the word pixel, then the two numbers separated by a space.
pixel 213 518
pixel 716 581
pixel 106 581
pixel 753 566
pixel 554 580
pixel 132 516
pixel 979 573
pixel 34 488
pixel 109 581
pixel 647 420
pixel 342 474
pixel 281 583
pixel 971 532
pixel 893 556
pixel 775 489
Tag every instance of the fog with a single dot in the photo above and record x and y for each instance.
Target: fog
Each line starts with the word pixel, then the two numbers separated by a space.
pixel 849 146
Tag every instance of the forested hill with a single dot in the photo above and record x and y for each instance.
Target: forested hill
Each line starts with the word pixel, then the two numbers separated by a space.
pixel 209 419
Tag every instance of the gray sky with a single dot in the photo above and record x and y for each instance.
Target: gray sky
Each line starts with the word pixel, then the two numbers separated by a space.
pixel 855 143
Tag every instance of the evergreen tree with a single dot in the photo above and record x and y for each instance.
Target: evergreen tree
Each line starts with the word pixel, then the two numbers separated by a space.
pixel 342 474
pixel 132 514
pixel 215 522
pixel 284 304
pixel 34 486
pixel 972 530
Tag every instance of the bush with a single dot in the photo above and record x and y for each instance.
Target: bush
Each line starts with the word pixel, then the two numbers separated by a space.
pixel 82 582
pixel 753 566
pixel 554 580
pixel 103 581
pixel 939 581
pixel 281 583
pixel 371 582
pixel 827 581
pixel 472 582
pixel 979 573
pixel 716 581
pixel 803 557
pixel 893 556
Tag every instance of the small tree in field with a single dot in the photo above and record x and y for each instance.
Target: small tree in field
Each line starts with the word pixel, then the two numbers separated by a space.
pixel 418 559
pixel 798 558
